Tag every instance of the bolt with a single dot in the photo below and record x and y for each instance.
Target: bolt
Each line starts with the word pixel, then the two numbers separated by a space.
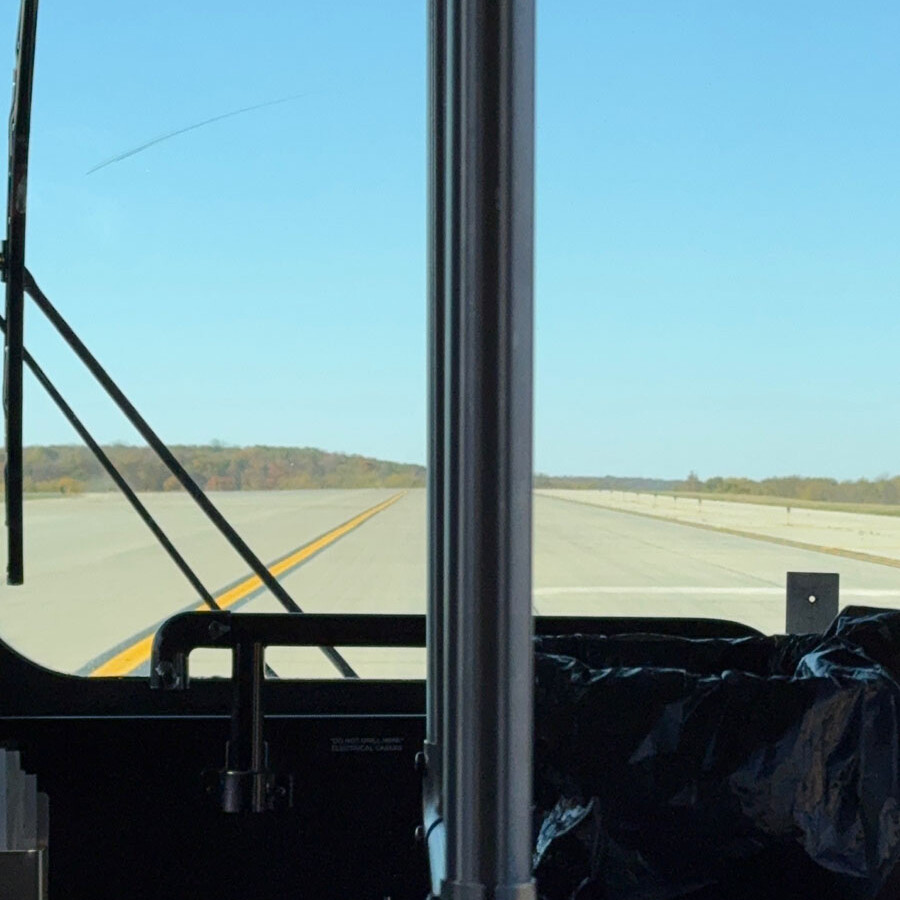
pixel 217 630
pixel 168 675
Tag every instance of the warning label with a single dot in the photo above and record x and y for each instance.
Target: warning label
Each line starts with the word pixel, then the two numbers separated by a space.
pixel 366 744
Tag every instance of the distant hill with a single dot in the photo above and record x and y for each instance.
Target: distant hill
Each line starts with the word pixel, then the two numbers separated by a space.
pixel 605 483
pixel 884 490
pixel 73 469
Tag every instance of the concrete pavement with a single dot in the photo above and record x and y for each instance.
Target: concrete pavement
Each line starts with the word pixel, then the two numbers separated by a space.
pixel 96 580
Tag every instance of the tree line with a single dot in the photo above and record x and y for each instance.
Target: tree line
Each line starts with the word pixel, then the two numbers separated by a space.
pixel 885 489
pixel 65 469
pixel 72 469
pixel 605 483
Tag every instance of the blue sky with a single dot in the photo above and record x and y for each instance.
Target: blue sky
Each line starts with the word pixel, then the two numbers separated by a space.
pixel 718 228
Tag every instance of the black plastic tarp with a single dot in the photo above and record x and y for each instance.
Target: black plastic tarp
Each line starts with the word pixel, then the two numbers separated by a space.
pixel 669 767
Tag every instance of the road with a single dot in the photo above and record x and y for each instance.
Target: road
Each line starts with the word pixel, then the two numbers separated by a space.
pixel 97 584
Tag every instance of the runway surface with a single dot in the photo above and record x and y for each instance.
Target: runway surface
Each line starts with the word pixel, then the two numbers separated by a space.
pixel 97 584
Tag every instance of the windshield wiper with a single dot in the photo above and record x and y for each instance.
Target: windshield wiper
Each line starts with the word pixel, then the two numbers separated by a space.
pixel 19 281
pixel 13 272
pixel 168 459
pixel 118 479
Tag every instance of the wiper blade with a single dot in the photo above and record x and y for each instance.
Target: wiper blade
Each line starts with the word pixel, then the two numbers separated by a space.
pixel 224 527
pixel 119 480
pixel 13 270
pixel 19 281
pixel 117 477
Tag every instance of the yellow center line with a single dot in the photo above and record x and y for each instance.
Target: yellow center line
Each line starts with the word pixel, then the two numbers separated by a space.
pixel 138 653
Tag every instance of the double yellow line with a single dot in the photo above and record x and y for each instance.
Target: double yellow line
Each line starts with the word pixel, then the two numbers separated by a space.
pixel 138 653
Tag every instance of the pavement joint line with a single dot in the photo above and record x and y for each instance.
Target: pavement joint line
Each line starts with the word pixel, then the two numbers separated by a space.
pixel 123 660
pixel 857 555
pixel 699 590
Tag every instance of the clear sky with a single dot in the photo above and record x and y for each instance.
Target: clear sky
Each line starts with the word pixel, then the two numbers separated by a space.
pixel 718 228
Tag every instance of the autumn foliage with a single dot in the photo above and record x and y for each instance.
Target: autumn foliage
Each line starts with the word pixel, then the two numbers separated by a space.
pixel 67 469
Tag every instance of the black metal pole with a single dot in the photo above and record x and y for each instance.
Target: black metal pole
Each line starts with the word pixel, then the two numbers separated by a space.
pixel 165 454
pixel 13 271
pixel 245 760
pixel 488 807
pixel 436 114
pixel 453 753
pixel 433 782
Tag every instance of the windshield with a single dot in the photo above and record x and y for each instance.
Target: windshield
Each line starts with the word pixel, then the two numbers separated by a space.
pixel 229 210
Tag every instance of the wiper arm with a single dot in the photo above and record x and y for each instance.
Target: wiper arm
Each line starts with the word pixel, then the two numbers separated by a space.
pixel 19 281
pixel 172 464
pixel 13 269
pixel 120 482
pixel 118 479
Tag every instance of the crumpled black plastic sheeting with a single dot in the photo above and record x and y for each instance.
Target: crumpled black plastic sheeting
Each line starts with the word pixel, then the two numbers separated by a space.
pixel 664 765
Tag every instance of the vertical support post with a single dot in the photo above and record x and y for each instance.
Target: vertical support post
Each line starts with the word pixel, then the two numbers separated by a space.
pixel 452 426
pixel 435 836
pixel 245 757
pixel 490 201
pixel 435 487
pixel 14 275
